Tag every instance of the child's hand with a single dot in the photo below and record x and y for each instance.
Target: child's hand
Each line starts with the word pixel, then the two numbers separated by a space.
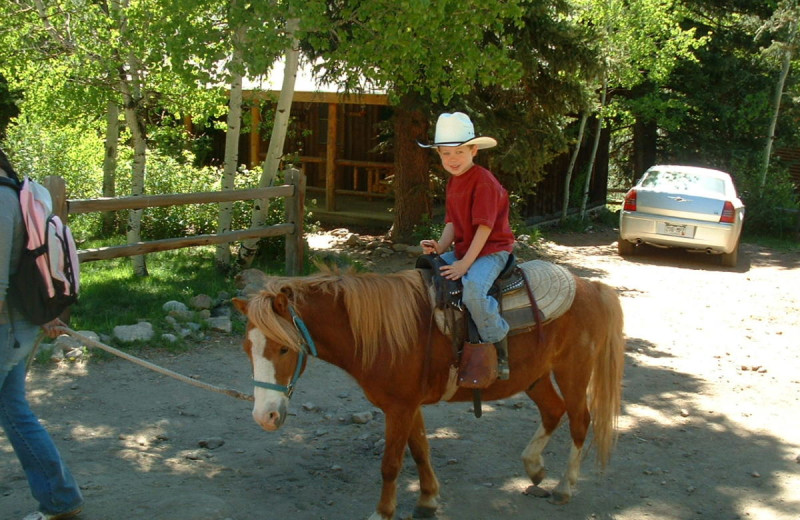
pixel 455 270
pixel 429 246
pixel 54 328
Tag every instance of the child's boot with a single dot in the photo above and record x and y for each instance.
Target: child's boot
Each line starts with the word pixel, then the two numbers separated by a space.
pixel 503 371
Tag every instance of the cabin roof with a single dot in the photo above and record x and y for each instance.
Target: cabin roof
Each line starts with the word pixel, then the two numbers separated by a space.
pixel 308 87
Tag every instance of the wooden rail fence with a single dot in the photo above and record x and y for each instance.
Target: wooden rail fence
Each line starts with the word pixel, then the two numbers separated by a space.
pixel 294 192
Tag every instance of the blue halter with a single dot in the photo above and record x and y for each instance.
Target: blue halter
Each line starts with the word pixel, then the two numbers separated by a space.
pixel 306 347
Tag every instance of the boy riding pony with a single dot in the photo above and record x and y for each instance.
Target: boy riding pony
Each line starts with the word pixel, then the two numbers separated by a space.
pixel 476 225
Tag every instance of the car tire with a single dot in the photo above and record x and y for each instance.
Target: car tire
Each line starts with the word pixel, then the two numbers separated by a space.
pixel 730 259
pixel 625 248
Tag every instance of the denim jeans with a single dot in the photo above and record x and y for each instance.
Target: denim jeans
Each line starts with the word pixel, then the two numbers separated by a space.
pixel 51 483
pixel 483 309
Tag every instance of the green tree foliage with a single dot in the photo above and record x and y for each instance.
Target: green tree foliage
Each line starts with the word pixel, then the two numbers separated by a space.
pixel 713 108
pixel 689 80
pixel 713 122
pixel 558 58
pixel 640 43
pixel 419 52
pixel 434 49
pixel 71 152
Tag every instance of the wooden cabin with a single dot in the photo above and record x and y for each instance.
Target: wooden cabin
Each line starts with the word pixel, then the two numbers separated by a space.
pixel 338 140
pixel 790 157
pixel 342 142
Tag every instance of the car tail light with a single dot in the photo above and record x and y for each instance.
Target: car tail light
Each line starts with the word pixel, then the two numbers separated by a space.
pixel 630 201
pixel 728 213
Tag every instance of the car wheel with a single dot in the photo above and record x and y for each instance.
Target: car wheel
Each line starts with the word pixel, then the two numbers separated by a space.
pixel 625 248
pixel 730 259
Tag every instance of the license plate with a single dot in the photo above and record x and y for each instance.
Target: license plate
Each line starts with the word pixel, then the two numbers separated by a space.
pixel 677 230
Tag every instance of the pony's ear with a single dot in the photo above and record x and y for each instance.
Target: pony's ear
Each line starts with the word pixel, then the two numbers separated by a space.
pixel 280 302
pixel 240 304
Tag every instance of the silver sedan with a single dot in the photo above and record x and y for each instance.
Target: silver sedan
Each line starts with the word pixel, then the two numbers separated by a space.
pixel 686 207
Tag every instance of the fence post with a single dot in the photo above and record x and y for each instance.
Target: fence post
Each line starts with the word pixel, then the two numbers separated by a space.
pixel 295 213
pixel 57 187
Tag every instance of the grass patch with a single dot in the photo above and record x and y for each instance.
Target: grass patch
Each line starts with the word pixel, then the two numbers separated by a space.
pixel 603 218
pixel 782 244
pixel 112 295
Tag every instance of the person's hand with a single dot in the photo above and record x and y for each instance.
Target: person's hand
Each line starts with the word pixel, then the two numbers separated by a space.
pixel 429 246
pixel 455 270
pixel 54 328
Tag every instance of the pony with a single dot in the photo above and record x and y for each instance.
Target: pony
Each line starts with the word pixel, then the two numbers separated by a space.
pixel 378 328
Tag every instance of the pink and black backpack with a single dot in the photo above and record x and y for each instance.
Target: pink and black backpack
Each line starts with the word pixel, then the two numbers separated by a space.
pixel 47 279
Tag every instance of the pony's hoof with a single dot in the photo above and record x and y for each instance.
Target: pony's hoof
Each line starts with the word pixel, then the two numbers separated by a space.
pixel 538 477
pixel 536 491
pixel 559 499
pixel 424 512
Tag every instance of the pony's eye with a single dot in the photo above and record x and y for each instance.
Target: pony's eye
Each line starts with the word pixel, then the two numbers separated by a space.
pixel 284 350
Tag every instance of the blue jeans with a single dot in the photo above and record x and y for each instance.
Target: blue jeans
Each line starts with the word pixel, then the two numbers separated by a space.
pixel 483 308
pixel 51 483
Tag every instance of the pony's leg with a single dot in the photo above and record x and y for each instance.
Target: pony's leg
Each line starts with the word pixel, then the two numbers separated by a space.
pixel 428 484
pixel 397 429
pixel 563 491
pixel 551 409
pixel 574 392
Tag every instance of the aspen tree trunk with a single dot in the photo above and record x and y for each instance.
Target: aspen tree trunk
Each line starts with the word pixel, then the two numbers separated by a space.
pixel 776 105
pixel 596 144
pixel 573 159
pixel 130 86
pixel 134 229
pixel 272 162
pixel 223 252
pixel 110 162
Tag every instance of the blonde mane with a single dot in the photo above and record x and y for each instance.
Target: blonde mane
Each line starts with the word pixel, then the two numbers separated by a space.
pixel 383 309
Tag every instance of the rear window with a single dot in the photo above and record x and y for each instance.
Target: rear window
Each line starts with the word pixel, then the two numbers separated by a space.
pixel 682 182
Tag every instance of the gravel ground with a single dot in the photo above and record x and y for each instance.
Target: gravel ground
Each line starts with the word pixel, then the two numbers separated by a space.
pixel 710 426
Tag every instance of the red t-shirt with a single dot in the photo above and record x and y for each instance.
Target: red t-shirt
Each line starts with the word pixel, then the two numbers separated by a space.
pixel 477 198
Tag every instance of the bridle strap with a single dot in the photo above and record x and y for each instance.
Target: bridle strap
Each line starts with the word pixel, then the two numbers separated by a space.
pixel 307 346
pixel 308 342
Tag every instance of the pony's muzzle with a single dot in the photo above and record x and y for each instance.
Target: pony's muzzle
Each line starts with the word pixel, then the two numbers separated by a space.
pixel 271 417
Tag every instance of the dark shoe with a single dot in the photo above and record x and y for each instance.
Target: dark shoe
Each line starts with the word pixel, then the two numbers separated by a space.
pixel 503 372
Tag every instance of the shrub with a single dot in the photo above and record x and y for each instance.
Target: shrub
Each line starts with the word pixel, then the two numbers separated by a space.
pixel 771 211
pixel 74 153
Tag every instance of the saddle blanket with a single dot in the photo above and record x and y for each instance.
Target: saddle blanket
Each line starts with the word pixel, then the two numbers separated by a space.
pixel 553 287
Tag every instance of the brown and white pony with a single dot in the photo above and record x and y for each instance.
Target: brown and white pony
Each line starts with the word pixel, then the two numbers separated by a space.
pixel 377 328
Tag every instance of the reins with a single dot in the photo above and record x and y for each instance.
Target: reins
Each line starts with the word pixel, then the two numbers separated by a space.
pixel 92 343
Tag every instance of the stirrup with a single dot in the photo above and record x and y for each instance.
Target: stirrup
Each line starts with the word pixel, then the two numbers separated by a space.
pixel 503 372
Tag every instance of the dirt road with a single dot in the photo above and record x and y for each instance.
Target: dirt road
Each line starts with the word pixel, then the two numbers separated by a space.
pixel 710 426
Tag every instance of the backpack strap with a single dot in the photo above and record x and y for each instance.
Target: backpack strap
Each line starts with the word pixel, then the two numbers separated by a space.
pixel 14 185
pixel 11 183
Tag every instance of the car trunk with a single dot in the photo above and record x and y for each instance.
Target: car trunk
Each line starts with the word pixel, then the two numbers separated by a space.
pixel 679 205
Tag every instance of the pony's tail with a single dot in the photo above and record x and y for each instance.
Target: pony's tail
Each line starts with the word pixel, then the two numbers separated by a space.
pixel 606 382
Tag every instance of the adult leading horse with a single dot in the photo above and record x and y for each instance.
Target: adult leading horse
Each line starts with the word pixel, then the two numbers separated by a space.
pixel 378 329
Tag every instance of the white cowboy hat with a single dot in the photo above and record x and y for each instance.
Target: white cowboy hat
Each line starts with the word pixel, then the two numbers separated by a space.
pixel 456 130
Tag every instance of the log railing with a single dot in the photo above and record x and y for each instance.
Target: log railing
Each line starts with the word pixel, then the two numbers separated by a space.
pixel 293 191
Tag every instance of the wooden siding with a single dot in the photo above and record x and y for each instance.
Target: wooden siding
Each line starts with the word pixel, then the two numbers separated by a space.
pixel 548 200
pixel 334 138
pixel 360 161
pixel 790 157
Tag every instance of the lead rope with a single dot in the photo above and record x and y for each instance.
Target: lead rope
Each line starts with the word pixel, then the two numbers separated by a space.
pixel 169 373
